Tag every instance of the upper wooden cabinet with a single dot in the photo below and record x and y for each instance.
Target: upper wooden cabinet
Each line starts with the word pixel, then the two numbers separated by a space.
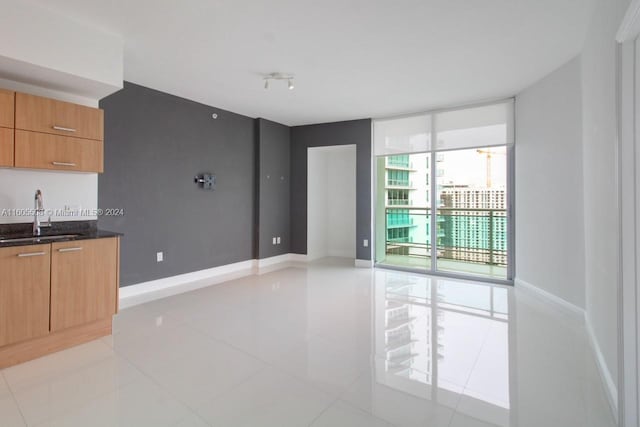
pixel 7 105
pixel 46 115
pixel 84 282
pixel 24 293
pixel 6 147
pixel 36 150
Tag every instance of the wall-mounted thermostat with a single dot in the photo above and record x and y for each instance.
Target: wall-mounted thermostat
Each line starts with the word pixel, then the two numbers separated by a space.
pixel 206 181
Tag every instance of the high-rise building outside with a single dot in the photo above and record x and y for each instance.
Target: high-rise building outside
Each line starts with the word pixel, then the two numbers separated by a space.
pixel 471 222
pixel 406 201
pixel 475 225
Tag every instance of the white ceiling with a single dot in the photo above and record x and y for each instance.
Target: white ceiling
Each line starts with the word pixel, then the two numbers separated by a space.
pixel 351 58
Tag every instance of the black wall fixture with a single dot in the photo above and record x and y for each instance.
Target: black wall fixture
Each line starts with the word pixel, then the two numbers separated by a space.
pixel 206 181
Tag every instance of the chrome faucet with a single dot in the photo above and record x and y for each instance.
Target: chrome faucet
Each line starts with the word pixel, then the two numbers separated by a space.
pixel 38 208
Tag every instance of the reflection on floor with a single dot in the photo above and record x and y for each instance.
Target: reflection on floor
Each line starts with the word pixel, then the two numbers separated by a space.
pixel 321 344
pixel 448 265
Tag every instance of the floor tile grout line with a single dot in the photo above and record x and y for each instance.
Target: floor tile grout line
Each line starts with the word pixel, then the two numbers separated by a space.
pixel 352 406
pixel 13 396
pixel 475 363
pixel 157 384
pixel 63 374
pixel 181 401
pixel 323 411
pixel 91 365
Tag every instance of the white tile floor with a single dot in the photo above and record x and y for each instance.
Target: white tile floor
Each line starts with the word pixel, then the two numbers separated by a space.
pixel 321 345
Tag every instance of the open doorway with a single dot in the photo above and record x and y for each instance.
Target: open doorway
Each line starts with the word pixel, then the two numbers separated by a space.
pixel 331 202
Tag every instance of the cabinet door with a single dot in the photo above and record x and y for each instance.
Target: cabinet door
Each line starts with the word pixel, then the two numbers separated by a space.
pixel 83 282
pixel 46 115
pixel 24 293
pixel 7 106
pixel 43 151
pixel 6 147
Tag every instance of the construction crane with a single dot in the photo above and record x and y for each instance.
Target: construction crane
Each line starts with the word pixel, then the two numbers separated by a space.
pixel 489 153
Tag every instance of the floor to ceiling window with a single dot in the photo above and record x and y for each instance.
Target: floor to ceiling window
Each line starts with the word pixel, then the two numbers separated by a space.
pixel 442 191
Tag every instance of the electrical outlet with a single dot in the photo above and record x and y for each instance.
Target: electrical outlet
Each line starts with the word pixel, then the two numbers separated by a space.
pixel 365 243
pixel 275 241
pixel 278 240
pixel 159 257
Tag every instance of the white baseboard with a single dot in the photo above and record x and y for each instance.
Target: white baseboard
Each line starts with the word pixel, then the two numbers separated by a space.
pixel 610 386
pixel 268 262
pixel 363 263
pixel 580 314
pixel 168 286
pixel 564 305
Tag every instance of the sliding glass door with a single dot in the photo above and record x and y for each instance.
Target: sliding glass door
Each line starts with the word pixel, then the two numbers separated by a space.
pixel 472 211
pixel 407 210
pixel 445 207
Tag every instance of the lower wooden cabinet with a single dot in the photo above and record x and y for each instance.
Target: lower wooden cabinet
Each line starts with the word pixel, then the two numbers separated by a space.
pixel 54 296
pixel 83 282
pixel 24 293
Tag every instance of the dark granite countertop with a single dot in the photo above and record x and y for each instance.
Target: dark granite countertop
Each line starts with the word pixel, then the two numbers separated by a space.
pixel 72 230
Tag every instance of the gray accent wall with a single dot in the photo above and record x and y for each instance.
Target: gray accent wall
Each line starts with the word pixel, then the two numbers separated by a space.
pixel 273 184
pixel 356 132
pixel 155 144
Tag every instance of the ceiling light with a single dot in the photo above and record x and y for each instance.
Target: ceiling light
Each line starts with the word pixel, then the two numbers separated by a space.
pixel 279 76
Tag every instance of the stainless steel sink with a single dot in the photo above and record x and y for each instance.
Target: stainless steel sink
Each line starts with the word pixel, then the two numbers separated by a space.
pixel 38 238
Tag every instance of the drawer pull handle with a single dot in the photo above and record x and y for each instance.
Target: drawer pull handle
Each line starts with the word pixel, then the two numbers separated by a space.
pixel 70 249
pixel 63 164
pixel 31 254
pixel 64 129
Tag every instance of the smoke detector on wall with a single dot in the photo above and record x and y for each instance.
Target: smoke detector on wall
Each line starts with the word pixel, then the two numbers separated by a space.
pixel 279 76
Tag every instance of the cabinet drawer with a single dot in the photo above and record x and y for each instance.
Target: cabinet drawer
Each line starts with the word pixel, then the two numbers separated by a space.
pixel 40 114
pixel 83 282
pixel 24 293
pixel 42 151
pixel 7 106
pixel 6 147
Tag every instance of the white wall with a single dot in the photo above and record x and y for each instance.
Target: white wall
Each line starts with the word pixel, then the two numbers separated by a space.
pixel 331 201
pixel 73 190
pixel 600 176
pixel 549 202
pixel 46 48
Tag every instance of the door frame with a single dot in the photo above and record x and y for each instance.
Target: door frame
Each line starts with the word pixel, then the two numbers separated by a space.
pixel 628 175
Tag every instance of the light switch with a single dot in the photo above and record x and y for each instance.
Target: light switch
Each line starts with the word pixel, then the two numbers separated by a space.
pixel 365 243
pixel 275 241
pixel 278 240
pixel 159 257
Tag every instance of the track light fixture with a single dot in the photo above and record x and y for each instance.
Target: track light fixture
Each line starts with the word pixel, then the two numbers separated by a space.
pixel 279 76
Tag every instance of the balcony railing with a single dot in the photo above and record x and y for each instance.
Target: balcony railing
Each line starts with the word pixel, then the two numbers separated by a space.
pixel 399 183
pixel 474 235
pixel 398 202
